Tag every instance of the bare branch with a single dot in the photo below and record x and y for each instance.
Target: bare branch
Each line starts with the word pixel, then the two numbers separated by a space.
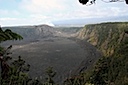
pixel 90 2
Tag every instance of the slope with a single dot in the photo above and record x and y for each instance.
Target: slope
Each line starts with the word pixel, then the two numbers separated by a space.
pixel 112 40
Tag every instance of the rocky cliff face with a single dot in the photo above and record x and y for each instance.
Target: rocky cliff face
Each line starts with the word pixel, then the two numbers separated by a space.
pixel 45 31
pixel 105 36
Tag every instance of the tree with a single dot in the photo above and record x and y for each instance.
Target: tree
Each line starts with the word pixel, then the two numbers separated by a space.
pixel 93 1
pixel 4 54
pixel 8 35
pixel 50 73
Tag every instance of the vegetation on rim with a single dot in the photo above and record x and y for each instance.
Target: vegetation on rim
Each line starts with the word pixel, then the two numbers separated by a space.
pixel 111 69
pixel 112 40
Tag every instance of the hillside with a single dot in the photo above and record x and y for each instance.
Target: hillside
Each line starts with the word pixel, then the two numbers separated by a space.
pixel 105 36
pixel 75 60
pixel 37 32
pixel 112 40
pixel 33 32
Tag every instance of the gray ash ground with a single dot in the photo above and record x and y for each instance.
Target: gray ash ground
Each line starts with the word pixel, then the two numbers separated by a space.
pixel 63 54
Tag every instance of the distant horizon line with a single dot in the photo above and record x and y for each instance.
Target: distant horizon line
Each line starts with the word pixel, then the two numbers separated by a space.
pixel 60 25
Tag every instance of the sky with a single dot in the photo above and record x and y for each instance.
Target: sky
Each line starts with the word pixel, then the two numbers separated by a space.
pixel 34 12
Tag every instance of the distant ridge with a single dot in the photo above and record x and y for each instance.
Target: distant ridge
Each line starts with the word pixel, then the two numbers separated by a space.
pixel 33 32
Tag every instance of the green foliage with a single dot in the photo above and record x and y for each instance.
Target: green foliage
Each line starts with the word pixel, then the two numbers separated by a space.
pixel 17 73
pixel 105 36
pixel 14 73
pixel 25 32
pixel 113 68
pixel 76 80
pixel 8 35
pixel 50 74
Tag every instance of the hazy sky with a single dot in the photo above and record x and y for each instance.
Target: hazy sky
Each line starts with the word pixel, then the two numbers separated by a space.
pixel 28 12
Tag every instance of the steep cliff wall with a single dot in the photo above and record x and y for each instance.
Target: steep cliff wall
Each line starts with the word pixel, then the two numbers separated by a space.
pixel 112 40
pixel 105 36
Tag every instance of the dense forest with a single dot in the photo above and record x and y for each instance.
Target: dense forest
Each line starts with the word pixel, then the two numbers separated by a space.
pixel 112 69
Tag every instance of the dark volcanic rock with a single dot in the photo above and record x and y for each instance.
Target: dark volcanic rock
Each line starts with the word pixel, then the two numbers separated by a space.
pixel 91 57
pixel 43 46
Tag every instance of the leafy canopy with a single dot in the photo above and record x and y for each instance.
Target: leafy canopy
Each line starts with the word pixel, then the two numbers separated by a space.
pixel 9 35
